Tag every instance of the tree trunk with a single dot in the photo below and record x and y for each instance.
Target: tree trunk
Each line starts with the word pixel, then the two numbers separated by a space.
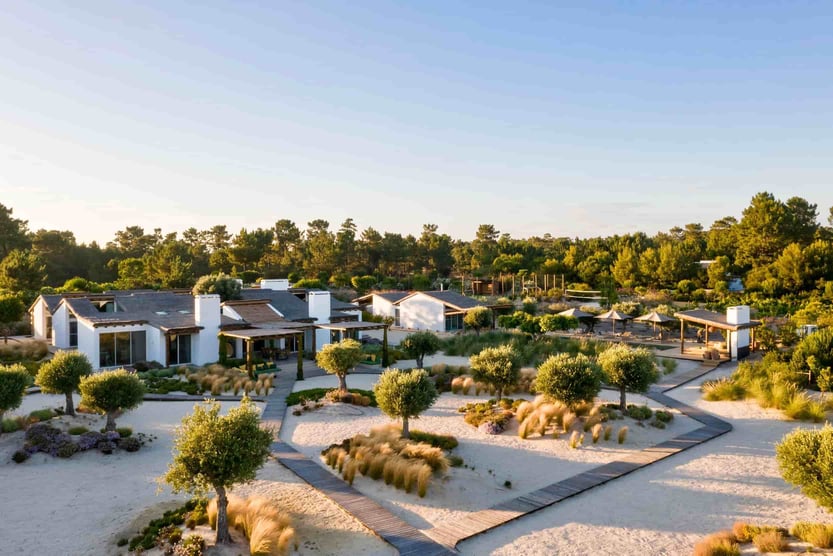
pixel 342 382
pixel 70 409
pixel 111 421
pixel 299 373
pixel 406 431
pixel 623 407
pixel 223 536
pixel 498 393
pixel 419 361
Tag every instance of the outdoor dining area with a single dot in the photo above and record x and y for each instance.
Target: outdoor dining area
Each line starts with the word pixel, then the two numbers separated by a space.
pixel 704 334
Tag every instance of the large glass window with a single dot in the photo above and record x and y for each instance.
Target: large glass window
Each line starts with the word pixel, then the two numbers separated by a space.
pixel 453 322
pixel 73 332
pixel 179 352
pixel 121 348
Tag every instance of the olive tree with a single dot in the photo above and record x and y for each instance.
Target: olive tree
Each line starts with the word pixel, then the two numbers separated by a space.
pixel 478 318
pixel 216 452
pixel 62 375
pixel 570 380
pixel 806 459
pixel 110 392
pixel 13 382
pixel 338 359
pixel 221 284
pixel 628 369
pixel 405 394
pixel 496 366
pixel 420 344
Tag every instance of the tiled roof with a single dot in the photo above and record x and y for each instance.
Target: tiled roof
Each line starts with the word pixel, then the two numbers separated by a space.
pixel 287 303
pixel 452 299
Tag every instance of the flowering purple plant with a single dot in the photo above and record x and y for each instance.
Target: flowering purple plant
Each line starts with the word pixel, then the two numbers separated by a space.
pixel 89 440
pixel 112 436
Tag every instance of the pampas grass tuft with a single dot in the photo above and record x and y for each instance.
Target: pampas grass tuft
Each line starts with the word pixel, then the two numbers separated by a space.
pixel 574 440
pixel 608 432
pixel 597 432
pixel 623 435
pixel 567 421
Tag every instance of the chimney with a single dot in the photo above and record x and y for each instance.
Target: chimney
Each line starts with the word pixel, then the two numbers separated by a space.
pixel 276 284
pixel 738 314
pixel 207 316
pixel 319 306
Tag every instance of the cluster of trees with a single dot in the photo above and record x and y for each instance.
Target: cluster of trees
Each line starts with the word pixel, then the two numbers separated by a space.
pixel 775 246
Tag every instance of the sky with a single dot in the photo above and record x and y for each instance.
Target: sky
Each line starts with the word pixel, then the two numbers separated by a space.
pixel 569 118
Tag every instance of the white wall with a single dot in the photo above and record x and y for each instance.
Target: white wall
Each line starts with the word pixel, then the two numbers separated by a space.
pixel 60 327
pixel 88 342
pixel 205 346
pixel 383 307
pixel 277 284
pixel 320 309
pixel 422 313
pixel 39 313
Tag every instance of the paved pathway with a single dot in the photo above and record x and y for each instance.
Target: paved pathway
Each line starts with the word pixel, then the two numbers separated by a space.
pixel 455 531
pixel 408 540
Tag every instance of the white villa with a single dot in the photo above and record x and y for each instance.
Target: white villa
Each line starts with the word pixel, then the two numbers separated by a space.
pixel 121 328
pixel 439 311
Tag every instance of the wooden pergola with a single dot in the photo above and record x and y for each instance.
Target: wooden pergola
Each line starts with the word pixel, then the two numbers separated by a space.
pixel 713 321
pixel 350 328
pixel 250 335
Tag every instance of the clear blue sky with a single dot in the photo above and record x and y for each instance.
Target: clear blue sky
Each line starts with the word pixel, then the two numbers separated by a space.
pixel 582 118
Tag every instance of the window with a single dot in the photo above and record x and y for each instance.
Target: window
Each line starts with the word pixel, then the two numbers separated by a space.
pixel 73 332
pixel 179 352
pixel 49 327
pixel 453 322
pixel 121 348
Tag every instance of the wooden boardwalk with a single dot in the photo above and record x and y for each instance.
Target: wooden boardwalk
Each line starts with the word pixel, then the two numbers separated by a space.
pixel 407 539
pixel 453 532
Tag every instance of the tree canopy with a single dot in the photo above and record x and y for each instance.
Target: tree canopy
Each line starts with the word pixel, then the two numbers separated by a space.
pixel 62 375
pixel 629 369
pixel 405 394
pixel 110 392
pixel 497 366
pixel 568 379
pixel 420 344
pixel 215 452
pixel 339 359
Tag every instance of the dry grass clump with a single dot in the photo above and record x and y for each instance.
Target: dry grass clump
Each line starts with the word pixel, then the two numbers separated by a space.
pixel 567 421
pixel 597 432
pixel 31 350
pixel 383 454
pixel 574 443
pixel 717 544
pixel 538 416
pixel 770 541
pixel 745 532
pixel 819 535
pixel 268 530
pixel 608 432
pixel 217 379
pixel 623 435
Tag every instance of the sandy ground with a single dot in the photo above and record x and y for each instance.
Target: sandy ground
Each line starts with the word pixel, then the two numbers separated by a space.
pixel 667 507
pixel 83 505
pixel 535 462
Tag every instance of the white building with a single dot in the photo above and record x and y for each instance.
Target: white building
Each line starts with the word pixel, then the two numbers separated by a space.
pixel 440 311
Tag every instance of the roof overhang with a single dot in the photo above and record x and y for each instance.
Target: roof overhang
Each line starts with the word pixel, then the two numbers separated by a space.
pixel 351 325
pixel 715 320
pixel 260 333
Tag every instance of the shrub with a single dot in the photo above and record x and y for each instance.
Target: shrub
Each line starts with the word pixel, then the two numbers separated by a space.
pixel 41 437
pixel 663 416
pixel 639 412
pixel 63 374
pixel 478 413
pixel 315 394
pixel 13 382
pixel 668 365
pixel 107 447
pixel 148 535
pixel 10 425
pixel 819 535
pixel 268 529
pixel 622 435
pixel 570 380
pixel 130 444
pixel 193 545
pixel 20 456
pixel 78 430
pixel 40 415
pixel 109 392
pixel 444 441
pixel 770 541
pixel 497 367
pixel 574 442
pixel 717 544
pixel 801 408
pixel 722 389
pixel 89 440
pixel 124 432
pixel 490 427
pixel 805 458
pixel 405 394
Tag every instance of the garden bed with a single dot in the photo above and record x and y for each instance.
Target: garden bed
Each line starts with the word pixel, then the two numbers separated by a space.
pixel 491 462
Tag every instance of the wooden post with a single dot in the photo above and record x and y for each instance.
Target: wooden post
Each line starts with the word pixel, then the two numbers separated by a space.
pixel 249 351
pixel 707 337
pixel 385 355
pixel 299 375
pixel 682 336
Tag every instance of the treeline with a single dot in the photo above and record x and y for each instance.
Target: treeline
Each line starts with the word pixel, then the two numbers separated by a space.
pixel 776 247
